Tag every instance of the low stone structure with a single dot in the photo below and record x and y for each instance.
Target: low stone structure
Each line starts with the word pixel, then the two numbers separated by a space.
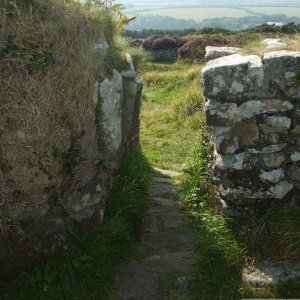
pixel 253 108
pixel 169 55
pixel 217 52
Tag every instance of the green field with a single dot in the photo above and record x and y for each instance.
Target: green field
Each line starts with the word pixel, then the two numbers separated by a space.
pixel 288 11
pixel 201 13
pixel 196 13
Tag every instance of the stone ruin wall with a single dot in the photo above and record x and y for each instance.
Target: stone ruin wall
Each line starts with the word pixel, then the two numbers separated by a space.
pixel 253 107
pixel 46 195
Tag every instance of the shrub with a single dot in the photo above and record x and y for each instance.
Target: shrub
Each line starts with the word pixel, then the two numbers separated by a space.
pixel 159 42
pixel 195 45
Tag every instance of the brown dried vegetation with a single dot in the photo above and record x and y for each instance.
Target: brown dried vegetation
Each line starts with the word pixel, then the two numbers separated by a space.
pixel 47 130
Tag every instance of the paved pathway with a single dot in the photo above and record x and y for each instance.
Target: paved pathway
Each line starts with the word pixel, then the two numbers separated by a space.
pixel 167 248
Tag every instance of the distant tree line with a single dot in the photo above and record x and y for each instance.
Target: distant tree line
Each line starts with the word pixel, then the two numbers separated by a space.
pixel 147 22
pixel 290 28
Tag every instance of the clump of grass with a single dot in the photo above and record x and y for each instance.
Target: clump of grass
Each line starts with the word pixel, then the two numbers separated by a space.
pixel 293 42
pixel 274 236
pixel 253 48
pixel 87 271
pixel 188 102
pixel 219 254
pixel 139 56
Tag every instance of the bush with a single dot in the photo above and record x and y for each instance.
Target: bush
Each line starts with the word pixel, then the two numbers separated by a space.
pixel 195 45
pixel 159 42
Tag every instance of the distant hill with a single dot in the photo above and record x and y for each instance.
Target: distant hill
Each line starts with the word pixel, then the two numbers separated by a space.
pixel 227 3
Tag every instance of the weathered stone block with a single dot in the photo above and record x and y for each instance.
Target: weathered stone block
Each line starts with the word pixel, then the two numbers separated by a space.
pixel 273 160
pixel 281 189
pixel 273 176
pixel 233 76
pixel 278 121
pixel 281 69
pixel 132 90
pixel 212 52
pixel 281 60
pixel 110 119
pixel 232 139
pixel 228 113
pixel 295 156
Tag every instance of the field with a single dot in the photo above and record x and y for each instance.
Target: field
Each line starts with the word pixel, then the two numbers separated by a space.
pixel 201 13
pixel 288 11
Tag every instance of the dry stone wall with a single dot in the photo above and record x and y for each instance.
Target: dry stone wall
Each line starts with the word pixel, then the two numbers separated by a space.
pixel 253 109
pixel 56 169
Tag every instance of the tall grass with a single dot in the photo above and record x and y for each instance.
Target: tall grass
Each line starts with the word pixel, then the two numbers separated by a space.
pixel 171 113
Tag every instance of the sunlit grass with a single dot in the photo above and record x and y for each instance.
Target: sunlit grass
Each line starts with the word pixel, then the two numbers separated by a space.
pixel 172 108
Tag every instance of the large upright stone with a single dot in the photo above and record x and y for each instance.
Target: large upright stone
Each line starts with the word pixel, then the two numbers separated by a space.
pixel 233 76
pixel 132 90
pixel 110 119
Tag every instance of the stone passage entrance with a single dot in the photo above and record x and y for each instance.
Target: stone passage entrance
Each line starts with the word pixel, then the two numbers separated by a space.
pixel 167 246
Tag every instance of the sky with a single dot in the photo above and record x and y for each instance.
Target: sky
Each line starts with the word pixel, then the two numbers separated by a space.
pixel 213 2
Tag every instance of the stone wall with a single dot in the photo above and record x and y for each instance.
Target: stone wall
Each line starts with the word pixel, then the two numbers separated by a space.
pixel 162 55
pixel 253 107
pixel 56 169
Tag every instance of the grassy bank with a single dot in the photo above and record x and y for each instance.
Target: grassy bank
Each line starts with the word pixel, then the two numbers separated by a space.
pixel 87 271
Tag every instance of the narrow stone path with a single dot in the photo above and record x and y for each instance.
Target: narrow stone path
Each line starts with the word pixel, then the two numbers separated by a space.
pixel 167 247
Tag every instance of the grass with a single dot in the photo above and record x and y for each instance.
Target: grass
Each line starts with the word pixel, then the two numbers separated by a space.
pixel 171 113
pixel 87 271
pixel 255 47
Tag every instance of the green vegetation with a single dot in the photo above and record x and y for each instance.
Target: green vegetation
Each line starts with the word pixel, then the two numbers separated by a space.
pixel 195 16
pixel 171 113
pixel 196 13
pixel 88 269
pixel 288 11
